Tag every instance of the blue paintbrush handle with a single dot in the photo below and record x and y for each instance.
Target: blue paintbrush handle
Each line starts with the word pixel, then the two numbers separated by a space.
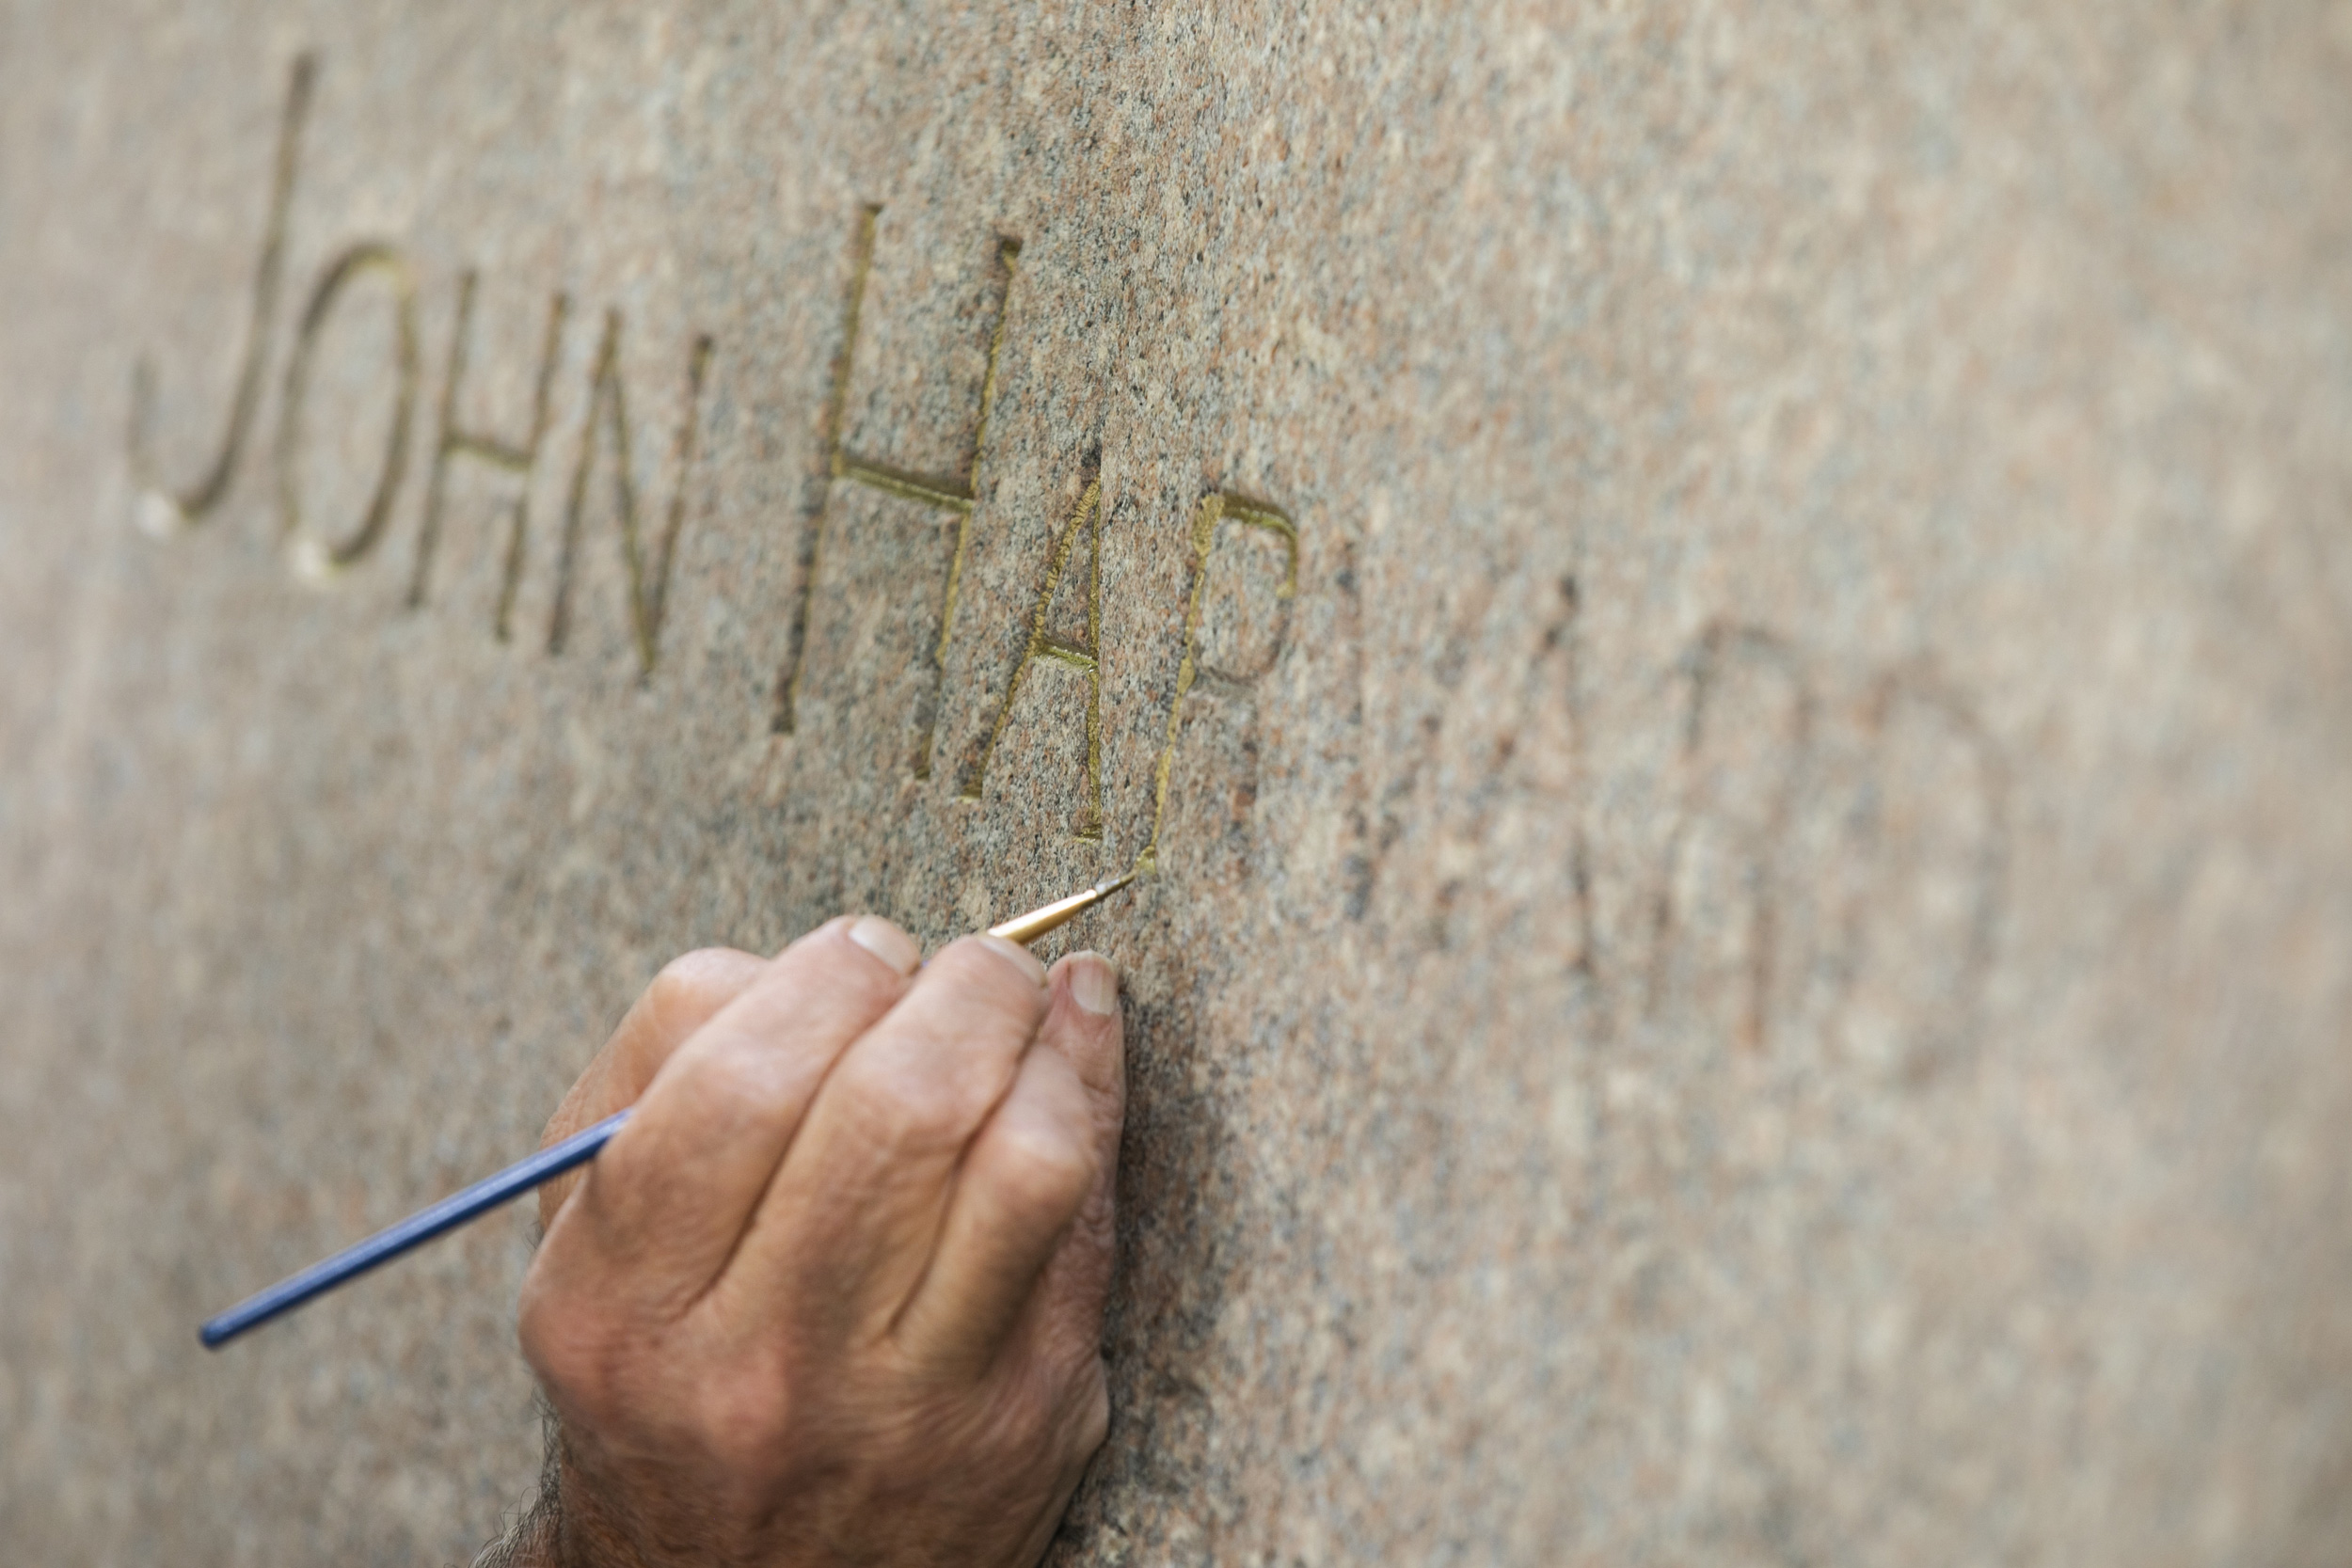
pixel 416 1230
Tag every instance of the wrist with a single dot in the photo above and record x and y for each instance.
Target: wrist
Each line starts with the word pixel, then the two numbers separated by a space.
pixel 535 1541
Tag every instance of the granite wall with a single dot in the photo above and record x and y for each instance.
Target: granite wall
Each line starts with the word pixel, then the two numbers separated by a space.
pixel 1730 626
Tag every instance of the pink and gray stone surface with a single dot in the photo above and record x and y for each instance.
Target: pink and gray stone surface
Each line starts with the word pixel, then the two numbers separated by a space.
pixel 1729 626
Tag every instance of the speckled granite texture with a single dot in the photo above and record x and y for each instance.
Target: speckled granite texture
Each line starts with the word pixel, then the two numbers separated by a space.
pixel 1752 939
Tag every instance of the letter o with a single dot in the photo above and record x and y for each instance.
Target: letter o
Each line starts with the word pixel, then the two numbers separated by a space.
pixel 313 555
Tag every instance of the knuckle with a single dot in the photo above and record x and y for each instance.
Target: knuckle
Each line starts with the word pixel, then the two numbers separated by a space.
pixel 693 981
pixel 734 1075
pixel 1041 1167
pixel 624 1174
pixel 739 1080
pixel 834 976
pixel 746 1418
pixel 564 1347
pixel 903 1108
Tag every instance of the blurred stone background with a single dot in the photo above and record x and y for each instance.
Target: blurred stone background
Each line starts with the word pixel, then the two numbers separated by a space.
pixel 1752 934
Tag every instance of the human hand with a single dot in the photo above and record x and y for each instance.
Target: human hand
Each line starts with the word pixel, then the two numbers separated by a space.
pixel 834 1292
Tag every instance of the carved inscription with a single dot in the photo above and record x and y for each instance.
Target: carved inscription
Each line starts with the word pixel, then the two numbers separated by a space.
pixel 648 563
pixel 947 494
pixel 607 437
pixel 162 509
pixel 1909 813
pixel 648 536
pixel 454 441
pixel 1893 798
pixel 1524 806
pixel 1085 657
pixel 315 555
pixel 1209 523
pixel 957 497
pixel 1722 931
pixel 1748 723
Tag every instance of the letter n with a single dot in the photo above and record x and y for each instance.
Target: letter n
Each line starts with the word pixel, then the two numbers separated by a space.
pixel 647 561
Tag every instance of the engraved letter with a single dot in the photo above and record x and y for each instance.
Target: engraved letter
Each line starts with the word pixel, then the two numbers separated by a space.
pixel 940 493
pixel 608 413
pixel 454 441
pixel 315 556
pixel 1214 510
pixel 1086 658
pixel 162 510
pixel 1716 932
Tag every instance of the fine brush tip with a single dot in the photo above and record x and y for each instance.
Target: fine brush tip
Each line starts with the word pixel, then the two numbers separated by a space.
pixel 1028 928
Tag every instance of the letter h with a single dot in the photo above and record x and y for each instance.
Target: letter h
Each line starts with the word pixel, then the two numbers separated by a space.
pixel 942 494
pixel 455 441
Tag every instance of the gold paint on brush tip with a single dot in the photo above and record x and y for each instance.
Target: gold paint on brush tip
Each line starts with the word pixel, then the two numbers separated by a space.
pixel 1028 928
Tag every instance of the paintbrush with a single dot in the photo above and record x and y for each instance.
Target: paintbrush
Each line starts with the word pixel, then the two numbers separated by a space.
pixel 521 1176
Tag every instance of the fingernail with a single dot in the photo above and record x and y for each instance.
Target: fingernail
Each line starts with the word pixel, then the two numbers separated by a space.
pixel 887 942
pixel 1095 984
pixel 1013 953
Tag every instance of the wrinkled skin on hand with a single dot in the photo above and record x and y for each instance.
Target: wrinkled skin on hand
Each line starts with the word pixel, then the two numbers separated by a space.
pixel 834 1293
